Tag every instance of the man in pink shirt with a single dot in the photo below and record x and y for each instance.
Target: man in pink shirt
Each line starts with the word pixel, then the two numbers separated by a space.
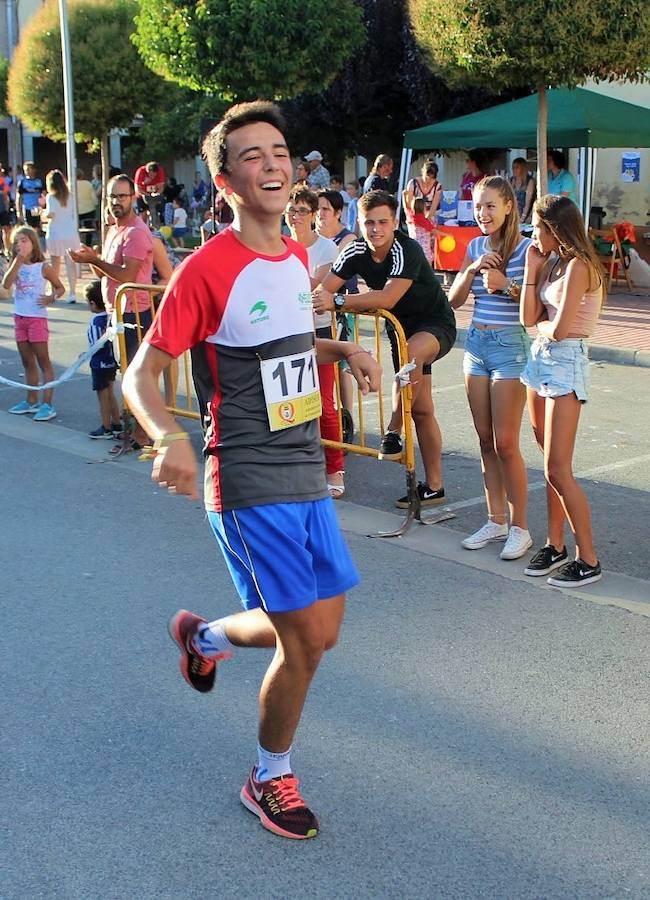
pixel 127 256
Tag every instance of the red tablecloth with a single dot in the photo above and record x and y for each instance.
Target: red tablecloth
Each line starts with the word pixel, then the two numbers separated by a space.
pixel 462 235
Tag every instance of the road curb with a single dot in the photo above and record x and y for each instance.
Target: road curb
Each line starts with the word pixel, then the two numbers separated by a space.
pixel 619 356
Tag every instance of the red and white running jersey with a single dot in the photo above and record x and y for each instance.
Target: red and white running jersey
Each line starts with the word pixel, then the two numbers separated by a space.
pixel 235 308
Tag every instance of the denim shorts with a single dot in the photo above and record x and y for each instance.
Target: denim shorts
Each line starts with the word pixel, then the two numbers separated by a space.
pixel 557 368
pixel 498 353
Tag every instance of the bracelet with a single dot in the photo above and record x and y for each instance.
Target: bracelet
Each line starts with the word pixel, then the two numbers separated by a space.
pixel 530 283
pixel 170 438
pixel 354 353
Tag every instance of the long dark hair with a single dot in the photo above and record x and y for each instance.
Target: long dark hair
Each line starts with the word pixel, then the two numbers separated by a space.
pixel 57 185
pixel 562 218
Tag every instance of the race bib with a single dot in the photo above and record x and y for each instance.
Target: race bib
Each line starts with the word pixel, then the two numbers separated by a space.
pixel 291 389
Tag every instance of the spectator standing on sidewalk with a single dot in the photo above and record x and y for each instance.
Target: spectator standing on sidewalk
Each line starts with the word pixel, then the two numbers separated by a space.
pixel 28 196
pixel 563 295
pixel 61 230
pixel 496 351
pixel 319 177
pixel 127 257
pixel 103 366
pixel 379 176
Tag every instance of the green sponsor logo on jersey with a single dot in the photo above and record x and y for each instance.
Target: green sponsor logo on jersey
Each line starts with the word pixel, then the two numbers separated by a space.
pixel 305 299
pixel 257 312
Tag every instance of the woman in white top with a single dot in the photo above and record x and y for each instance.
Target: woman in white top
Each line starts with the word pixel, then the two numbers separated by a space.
pixel 496 350
pixel 300 216
pixel 426 188
pixel 61 228
pixel 563 295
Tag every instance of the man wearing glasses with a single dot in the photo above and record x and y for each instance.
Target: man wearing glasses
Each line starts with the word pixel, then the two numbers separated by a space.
pixel 127 256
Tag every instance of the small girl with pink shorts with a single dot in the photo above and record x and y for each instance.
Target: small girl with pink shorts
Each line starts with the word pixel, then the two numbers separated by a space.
pixel 30 273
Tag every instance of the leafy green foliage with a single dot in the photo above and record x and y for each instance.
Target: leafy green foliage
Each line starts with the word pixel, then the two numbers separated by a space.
pixel 560 43
pixel 111 84
pixel 244 49
pixel 173 133
pixel 380 93
pixel 4 72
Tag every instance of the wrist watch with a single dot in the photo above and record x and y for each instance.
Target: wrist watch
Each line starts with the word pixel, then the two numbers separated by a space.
pixel 514 288
pixel 339 301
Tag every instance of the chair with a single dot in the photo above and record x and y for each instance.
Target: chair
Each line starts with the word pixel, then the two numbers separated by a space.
pixel 613 262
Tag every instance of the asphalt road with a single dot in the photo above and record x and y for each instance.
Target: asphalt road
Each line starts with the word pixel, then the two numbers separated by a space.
pixel 474 735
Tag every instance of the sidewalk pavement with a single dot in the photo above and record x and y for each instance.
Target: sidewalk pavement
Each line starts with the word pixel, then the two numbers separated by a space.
pixel 622 335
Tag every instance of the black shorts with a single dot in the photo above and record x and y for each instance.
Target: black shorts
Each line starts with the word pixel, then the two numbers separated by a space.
pixel 444 334
pixel 132 337
pixel 102 378
pixel 33 218
pixel 5 219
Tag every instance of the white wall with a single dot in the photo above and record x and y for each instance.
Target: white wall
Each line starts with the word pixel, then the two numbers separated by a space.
pixel 623 201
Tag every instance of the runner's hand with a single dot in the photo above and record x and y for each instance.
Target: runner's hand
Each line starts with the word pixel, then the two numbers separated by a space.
pixel 176 469
pixel 365 369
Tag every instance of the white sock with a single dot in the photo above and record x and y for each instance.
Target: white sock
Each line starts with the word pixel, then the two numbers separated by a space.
pixel 272 765
pixel 211 639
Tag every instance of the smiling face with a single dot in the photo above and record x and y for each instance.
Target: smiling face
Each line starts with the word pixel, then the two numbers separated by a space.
pixel 258 176
pixel 490 209
pixel 300 218
pixel 543 238
pixel 377 226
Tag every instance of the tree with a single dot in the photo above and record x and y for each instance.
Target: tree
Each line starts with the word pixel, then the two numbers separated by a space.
pixel 174 131
pixel 244 49
pixel 111 84
pixel 4 72
pixel 499 43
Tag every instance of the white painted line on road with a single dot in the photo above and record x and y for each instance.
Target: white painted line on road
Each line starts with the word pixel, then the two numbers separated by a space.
pixel 538 485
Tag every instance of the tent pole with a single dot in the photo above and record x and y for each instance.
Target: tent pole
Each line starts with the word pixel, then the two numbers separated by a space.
pixel 405 165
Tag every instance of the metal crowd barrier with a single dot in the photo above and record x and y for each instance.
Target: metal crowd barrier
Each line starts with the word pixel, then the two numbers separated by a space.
pixel 407 458
pixel 189 408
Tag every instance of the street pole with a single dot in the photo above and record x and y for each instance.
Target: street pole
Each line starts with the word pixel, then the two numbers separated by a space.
pixel 68 101
pixel 14 154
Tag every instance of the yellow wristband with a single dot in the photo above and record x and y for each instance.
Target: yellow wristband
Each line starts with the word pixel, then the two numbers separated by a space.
pixel 170 438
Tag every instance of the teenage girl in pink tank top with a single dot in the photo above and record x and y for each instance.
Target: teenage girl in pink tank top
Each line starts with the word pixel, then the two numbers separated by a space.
pixel 562 295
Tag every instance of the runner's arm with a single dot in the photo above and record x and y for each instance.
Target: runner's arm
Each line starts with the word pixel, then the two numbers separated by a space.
pixel 175 465
pixel 363 366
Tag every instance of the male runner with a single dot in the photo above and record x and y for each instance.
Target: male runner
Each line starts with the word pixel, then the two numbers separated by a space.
pixel 243 304
pixel 402 281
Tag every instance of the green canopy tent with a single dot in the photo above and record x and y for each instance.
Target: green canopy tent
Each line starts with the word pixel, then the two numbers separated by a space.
pixel 576 118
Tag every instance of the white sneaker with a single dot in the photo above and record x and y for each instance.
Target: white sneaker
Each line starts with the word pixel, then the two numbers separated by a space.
pixel 519 540
pixel 491 531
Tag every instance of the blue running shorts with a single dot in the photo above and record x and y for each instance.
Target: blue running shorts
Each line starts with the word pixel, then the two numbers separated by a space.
pixel 284 556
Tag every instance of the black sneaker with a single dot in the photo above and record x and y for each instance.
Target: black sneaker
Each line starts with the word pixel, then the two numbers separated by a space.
pixel 575 574
pixel 101 434
pixel 280 808
pixel 199 671
pixel 545 560
pixel 391 446
pixel 426 495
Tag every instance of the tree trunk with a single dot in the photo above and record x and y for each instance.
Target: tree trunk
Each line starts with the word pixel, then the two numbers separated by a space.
pixel 106 167
pixel 542 125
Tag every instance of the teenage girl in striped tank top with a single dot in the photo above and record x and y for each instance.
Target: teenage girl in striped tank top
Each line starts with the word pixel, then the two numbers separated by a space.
pixel 496 350
pixel 563 295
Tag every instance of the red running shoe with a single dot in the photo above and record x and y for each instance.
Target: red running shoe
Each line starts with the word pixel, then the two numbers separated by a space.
pixel 280 808
pixel 199 671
